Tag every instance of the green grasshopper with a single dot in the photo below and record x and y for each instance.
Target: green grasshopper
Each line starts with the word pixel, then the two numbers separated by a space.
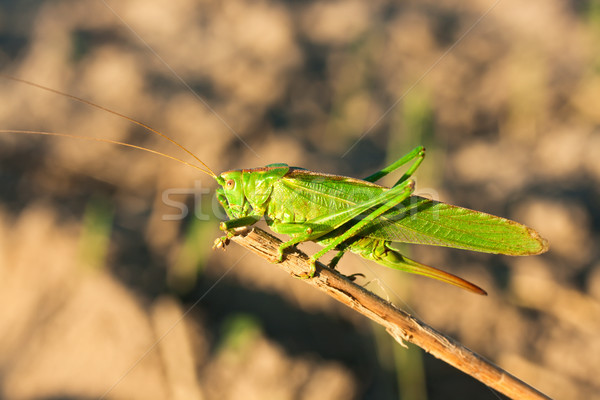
pixel 343 213
pixel 348 214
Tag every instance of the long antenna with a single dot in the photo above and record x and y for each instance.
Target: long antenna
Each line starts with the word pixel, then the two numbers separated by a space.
pixel 89 103
pixel 133 146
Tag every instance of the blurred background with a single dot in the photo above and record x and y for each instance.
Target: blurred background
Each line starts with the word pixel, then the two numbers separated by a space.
pixel 105 291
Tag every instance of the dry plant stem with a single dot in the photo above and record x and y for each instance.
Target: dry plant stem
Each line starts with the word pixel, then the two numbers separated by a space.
pixel 399 324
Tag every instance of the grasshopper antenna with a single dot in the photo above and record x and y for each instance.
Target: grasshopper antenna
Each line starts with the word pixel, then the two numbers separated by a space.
pixel 89 103
pixel 93 139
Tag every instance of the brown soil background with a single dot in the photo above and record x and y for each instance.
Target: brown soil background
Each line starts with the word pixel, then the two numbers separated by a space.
pixel 99 294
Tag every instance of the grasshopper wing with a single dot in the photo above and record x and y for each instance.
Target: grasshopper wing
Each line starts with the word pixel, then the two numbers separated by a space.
pixel 420 220
pixel 416 220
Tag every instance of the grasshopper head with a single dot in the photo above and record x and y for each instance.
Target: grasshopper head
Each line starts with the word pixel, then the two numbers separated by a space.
pixel 231 193
pixel 246 192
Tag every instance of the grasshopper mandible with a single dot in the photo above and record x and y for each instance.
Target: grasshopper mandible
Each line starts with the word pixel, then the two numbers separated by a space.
pixel 348 214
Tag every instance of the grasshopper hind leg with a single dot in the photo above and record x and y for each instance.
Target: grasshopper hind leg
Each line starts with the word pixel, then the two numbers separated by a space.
pixel 336 259
pixel 317 229
pixel 387 200
pixel 382 253
pixel 417 154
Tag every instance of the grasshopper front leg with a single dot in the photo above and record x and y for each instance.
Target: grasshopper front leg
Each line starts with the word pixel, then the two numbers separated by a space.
pixel 230 226
pixel 417 154
pixel 232 223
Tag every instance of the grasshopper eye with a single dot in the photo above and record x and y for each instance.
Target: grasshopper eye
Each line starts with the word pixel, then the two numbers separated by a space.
pixel 230 184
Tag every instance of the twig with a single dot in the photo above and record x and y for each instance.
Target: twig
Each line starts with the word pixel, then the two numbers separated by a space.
pixel 400 325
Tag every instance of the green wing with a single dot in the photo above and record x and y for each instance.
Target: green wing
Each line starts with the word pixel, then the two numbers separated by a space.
pixel 423 221
pixel 417 220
